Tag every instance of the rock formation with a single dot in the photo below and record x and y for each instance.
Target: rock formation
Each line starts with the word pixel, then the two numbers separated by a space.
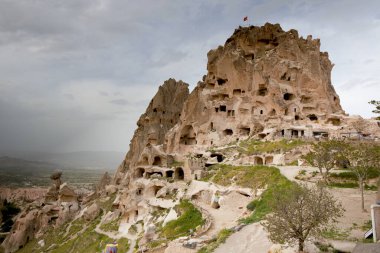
pixel 263 84
pixel 104 181
pixel 59 205
pixel 161 115
pixel 22 195
pixel 53 192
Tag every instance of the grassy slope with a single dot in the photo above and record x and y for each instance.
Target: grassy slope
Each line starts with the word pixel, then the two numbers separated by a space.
pixel 81 237
pixel 348 179
pixel 87 240
pixel 254 177
pixel 189 219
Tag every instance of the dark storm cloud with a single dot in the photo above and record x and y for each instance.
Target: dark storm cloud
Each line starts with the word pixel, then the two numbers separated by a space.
pixel 76 74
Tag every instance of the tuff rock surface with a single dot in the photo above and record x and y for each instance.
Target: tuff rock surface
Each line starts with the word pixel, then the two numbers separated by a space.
pixel 264 83
pixel 59 205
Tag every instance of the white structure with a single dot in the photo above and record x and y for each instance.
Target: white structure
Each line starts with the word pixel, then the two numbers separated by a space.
pixel 375 214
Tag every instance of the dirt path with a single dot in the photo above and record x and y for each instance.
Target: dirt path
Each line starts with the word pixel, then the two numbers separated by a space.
pixel 132 246
pixel 251 238
pixel 117 235
pixel 290 172
pixel 231 209
pixel 350 198
pixel 254 239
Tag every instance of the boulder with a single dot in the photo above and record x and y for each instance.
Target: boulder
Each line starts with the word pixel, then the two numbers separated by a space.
pixel 67 194
pixel 104 181
pixel 23 231
pixel 149 233
pixel 110 189
pixel 190 244
pixel 91 212
pixel 172 215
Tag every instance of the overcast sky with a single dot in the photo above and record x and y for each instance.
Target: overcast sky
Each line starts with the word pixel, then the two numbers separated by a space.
pixel 76 74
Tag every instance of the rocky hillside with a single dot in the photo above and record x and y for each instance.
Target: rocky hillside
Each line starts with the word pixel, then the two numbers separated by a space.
pixel 199 163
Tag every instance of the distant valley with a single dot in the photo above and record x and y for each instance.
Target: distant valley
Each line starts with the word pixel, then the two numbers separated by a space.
pixel 81 169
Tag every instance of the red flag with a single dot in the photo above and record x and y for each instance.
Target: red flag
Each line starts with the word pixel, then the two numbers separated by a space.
pixel 245 18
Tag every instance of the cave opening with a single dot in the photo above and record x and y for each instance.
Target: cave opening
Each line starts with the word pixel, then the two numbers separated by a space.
pixel 288 96
pixel 312 117
pixel 228 132
pixel 179 174
pixel 221 81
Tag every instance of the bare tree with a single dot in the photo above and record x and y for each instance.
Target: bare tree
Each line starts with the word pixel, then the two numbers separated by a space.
pixel 300 212
pixel 361 157
pixel 324 156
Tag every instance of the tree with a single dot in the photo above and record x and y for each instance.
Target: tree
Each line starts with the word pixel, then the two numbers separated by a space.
pixel 362 157
pixel 7 211
pixel 300 212
pixel 324 156
pixel 377 107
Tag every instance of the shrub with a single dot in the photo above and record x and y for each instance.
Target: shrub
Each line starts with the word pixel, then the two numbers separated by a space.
pixel 344 184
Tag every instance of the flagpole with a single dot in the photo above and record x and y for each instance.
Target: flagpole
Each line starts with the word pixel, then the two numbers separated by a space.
pixel 245 20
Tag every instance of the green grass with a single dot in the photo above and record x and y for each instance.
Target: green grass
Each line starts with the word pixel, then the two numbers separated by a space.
pixel 30 247
pixel 251 147
pixel 349 184
pixel 76 226
pixel 366 226
pixel 322 246
pixel 335 234
pixel 111 226
pixel 156 243
pixel 123 245
pixel 349 175
pixel 370 187
pixel 221 238
pixel 373 173
pixel 261 206
pixel 293 163
pixel 176 164
pixel 87 240
pixel 246 176
pixel 107 205
pixel 348 179
pixel 344 184
pixel 254 177
pixel 189 219
pixel 344 175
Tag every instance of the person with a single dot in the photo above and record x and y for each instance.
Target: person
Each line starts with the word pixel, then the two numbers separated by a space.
pixel 111 247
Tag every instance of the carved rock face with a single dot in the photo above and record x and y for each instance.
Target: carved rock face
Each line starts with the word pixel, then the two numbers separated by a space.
pixel 161 115
pixel 261 78
pixel 264 83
